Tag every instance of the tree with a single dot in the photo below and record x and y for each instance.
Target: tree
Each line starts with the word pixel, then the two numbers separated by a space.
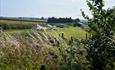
pixel 100 45
pixel 76 22
pixel 60 20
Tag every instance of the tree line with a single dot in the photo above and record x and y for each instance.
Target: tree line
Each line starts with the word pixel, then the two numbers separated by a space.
pixel 62 20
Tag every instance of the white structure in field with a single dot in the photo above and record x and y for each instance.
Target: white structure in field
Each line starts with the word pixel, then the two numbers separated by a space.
pixel 37 27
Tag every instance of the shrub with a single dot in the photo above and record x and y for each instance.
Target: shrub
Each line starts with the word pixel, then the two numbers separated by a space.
pixel 101 44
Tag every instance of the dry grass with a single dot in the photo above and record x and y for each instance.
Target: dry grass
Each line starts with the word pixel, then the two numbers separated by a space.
pixel 30 50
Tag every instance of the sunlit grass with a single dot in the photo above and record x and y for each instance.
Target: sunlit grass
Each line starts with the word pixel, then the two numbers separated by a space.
pixel 75 32
pixel 28 49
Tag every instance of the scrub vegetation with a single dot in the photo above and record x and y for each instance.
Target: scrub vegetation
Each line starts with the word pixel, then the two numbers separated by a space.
pixel 68 48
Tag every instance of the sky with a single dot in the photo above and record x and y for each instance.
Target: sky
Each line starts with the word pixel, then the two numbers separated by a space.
pixel 46 8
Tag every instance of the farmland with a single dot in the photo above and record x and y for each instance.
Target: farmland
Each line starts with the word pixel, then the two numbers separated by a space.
pixel 18 24
pixel 59 43
pixel 29 49
pixel 75 32
pixel 25 48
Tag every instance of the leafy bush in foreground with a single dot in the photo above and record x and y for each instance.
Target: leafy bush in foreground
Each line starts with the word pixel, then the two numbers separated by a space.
pixel 101 45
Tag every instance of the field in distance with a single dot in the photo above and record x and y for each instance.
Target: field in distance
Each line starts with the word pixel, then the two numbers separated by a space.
pixel 75 32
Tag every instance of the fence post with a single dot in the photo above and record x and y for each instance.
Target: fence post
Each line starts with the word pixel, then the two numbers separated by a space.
pixel 43 67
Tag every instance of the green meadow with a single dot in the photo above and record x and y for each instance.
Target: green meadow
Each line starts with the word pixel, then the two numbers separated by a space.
pixel 75 32
pixel 28 49
pixel 58 43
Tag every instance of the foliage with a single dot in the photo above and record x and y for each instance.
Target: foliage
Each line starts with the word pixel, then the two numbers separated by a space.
pixel 101 44
pixel 67 21
pixel 60 20
pixel 57 50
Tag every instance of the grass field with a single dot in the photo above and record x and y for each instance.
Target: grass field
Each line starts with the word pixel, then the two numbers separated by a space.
pixel 75 32
pixel 20 22
pixel 13 24
pixel 29 50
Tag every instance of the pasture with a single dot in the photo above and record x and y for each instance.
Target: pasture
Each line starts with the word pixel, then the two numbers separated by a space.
pixel 68 42
pixel 75 32
pixel 29 49
pixel 55 49
pixel 18 24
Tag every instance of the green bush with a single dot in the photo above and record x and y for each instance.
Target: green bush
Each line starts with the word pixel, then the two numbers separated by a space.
pixel 100 45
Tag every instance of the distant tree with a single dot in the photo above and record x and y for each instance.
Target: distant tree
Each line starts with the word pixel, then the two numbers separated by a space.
pixel 42 18
pixel 101 44
pixel 60 20
pixel 76 22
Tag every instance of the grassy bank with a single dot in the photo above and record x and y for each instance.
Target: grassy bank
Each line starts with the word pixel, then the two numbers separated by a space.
pixel 75 32
pixel 30 50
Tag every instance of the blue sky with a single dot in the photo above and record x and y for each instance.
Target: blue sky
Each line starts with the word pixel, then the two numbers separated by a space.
pixel 46 8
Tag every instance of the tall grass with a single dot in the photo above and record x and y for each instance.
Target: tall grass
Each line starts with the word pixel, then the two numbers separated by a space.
pixel 31 50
